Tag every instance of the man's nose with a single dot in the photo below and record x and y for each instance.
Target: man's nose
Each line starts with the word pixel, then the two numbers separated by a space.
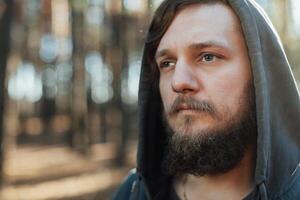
pixel 184 79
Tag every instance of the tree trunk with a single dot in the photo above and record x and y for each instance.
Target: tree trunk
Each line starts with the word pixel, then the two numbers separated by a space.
pixel 80 138
pixel 5 25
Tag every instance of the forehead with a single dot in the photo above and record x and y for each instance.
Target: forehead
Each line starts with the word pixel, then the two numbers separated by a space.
pixel 202 23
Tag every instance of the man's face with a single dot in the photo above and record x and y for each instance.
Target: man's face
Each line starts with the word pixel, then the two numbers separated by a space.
pixel 204 70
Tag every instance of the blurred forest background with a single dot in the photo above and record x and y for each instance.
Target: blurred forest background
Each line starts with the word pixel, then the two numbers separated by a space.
pixel 68 92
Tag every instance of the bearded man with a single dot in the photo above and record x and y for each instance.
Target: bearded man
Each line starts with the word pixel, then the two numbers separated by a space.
pixel 219 107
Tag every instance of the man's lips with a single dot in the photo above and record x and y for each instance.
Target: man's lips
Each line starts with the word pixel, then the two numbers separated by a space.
pixel 185 107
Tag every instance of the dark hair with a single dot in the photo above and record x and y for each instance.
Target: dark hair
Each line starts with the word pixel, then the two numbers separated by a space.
pixel 161 21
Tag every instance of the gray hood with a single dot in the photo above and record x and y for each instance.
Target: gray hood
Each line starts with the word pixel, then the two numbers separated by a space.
pixel 277 174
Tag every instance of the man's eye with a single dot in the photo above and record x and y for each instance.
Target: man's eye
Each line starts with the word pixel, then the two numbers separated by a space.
pixel 208 57
pixel 165 64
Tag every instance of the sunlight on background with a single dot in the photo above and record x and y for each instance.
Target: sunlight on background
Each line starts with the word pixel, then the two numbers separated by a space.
pixel 296 15
pixel 101 78
pixel 134 5
pixel 64 71
pixel 25 84
pixel 49 48
pixel 156 3
pixel 49 80
pixel 130 80
pixel 56 79
pixel 95 14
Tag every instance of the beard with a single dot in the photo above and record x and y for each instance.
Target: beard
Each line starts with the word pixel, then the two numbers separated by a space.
pixel 211 151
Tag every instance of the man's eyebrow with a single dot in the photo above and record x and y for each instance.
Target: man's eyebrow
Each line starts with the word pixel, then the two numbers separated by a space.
pixel 208 44
pixel 199 45
pixel 161 53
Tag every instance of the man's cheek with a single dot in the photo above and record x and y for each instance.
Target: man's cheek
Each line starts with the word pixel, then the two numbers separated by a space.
pixel 166 103
pixel 165 96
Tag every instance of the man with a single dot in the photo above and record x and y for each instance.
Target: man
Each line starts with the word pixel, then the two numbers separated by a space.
pixel 219 108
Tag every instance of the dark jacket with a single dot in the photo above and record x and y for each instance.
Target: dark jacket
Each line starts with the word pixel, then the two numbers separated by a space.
pixel 277 173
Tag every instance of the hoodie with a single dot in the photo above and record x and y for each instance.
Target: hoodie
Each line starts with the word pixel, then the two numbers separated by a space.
pixel 277 171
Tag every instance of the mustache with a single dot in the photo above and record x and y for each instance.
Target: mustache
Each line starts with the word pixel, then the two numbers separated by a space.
pixel 193 104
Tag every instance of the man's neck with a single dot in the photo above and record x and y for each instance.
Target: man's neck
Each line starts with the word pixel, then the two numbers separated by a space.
pixel 235 184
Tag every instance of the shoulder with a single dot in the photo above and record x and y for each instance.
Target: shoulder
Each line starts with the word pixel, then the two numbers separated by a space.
pixel 292 189
pixel 127 188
